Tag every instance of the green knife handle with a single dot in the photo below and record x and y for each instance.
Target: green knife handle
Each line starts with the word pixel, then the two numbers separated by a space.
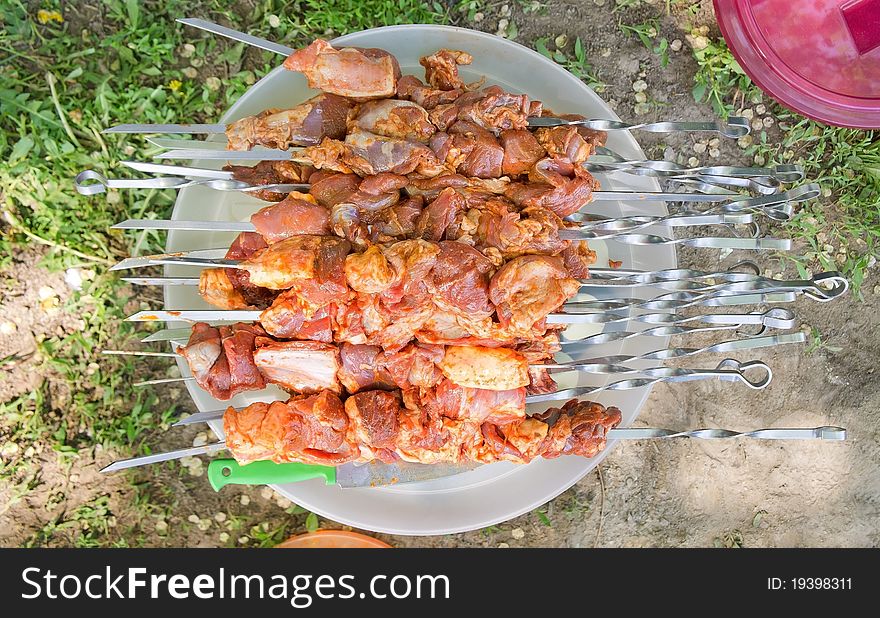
pixel 222 472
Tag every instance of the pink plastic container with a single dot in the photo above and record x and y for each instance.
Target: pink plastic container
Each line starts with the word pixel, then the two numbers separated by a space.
pixel 818 57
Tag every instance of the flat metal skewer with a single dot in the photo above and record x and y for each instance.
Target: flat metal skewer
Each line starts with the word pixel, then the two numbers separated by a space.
pixel 825 432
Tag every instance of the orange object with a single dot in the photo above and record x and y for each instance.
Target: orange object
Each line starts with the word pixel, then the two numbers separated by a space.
pixel 332 539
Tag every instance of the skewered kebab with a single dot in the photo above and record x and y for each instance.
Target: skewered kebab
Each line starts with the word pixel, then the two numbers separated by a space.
pixel 395 427
pixel 240 357
pixel 366 73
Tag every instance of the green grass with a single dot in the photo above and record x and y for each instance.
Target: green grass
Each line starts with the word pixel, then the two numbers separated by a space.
pixel 575 62
pixel 841 230
pixel 61 83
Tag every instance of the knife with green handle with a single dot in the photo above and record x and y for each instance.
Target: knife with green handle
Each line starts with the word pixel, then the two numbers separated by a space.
pixel 222 472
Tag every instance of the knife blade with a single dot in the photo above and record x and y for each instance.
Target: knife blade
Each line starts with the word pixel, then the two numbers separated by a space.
pixel 222 472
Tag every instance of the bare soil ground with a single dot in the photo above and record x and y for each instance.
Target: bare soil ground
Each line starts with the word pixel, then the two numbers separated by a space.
pixel 677 493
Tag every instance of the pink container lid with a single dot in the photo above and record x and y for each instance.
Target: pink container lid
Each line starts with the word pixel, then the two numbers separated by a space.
pixel 819 57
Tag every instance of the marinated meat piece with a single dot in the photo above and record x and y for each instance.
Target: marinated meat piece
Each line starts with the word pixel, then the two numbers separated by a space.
pixel 232 369
pixel 414 366
pixel 439 214
pixel 369 271
pixel 304 125
pixel 217 288
pixel 412 260
pixel 291 317
pixel 490 108
pixel 202 350
pixel 480 155
pixel 376 193
pixel 518 442
pixel 359 74
pixel 301 366
pixel 367 154
pixel 577 258
pixel 531 230
pixel 314 263
pixel 373 417
pixel 411 88
pixel 393 118
pixel 363 368
pixel 496 369
pixel 528 288
pixel 591 136
pixel 310 429
pixel 332 188
pixel 268 173
pixel 345 220
pixel 297 214
pixel 578 428
pixel 565 143
pixel 540 381
pixel 398 221
pixel 459 280
pixel 564 199
pixel 475 404
pixel 521 151
pixel 441 68
pixel 243 247
pixel 372 154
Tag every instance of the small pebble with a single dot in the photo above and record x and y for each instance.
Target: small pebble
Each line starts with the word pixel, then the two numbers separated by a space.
pixel 505 10
pixel 201 439
pixel 245 500
pixel 220 517
pixel 517 533
pixel 161 526
pixel 699 147
pixel 243 540
pixel 266 493
pixel 693 162
pixel 503 546
pixel 193 518
pixel 283 502
pixel 675 45
pixel 274 21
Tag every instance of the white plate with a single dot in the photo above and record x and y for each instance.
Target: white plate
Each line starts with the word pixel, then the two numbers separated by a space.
pixel 490 494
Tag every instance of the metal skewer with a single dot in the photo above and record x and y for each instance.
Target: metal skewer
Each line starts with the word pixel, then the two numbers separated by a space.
pixel 825 432
pixel 91 183
pixel 668 302
pixel 772 318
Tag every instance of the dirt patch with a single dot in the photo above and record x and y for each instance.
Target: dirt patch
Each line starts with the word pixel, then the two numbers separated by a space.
pixel 676 493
